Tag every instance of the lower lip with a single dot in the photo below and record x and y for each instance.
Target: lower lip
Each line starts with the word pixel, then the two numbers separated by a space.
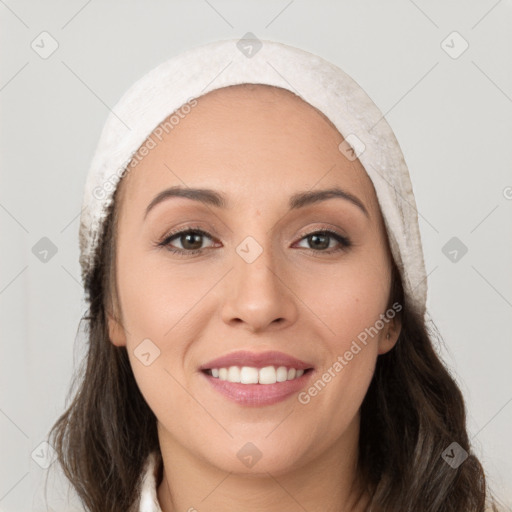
pixel 259 394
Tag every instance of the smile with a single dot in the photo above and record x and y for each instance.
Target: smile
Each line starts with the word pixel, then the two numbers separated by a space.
pixel 253 393
pixel 252 375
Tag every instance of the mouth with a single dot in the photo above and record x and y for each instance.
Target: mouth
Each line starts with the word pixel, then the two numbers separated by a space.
pixel 257 379
pixel 267 375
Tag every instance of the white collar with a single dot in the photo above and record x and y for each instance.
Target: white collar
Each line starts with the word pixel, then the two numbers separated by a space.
pixel 147 500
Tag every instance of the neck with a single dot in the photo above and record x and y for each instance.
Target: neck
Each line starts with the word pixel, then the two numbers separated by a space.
pixel 328 483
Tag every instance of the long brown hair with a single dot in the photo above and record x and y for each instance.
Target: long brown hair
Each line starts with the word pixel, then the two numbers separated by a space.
pixel 412 412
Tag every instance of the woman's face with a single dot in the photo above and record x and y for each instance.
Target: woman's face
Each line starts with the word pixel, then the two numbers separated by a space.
pixel 260 281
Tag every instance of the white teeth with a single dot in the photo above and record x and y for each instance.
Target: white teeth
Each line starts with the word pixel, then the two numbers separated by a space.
pixel 233 374
pixel 251 375
pixel 281 374
pixel 248 375
pixel 267 375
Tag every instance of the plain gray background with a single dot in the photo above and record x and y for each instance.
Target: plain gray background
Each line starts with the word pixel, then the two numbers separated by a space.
pixel 452 115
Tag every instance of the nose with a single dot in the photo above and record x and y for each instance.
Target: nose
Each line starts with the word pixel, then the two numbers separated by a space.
pixel 259 294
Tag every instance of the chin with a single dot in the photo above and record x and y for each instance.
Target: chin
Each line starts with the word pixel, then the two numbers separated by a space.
pixel 258 457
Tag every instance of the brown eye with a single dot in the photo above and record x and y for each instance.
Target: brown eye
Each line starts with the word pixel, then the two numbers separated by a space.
pixel 190 240
pixel 319 241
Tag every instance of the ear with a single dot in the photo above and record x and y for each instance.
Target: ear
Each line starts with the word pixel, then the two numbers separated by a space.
pixel 115 331
pixel 389 335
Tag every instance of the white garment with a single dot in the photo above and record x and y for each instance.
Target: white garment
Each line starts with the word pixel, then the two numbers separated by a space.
pixel 147 500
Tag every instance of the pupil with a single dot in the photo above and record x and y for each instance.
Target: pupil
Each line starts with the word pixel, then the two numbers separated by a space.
pixel 191 236
pixel 316 237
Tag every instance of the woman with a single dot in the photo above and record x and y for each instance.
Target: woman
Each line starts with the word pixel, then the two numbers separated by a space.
pixel 252 259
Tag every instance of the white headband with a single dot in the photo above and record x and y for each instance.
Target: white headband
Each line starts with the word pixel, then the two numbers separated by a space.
pixel 199 70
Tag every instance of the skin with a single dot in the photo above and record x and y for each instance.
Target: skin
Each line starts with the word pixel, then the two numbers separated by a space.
pixel 258 146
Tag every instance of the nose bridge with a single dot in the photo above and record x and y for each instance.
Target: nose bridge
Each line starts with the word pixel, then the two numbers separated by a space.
pixel 256 266
pixel 257 248
pixel 257 293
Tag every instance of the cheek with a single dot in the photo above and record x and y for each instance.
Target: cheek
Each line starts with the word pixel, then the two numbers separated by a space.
pixel 350 298
pixel 166 393
pixel 161 306
pixel 158 299
pixel 350 302
pixel 159 316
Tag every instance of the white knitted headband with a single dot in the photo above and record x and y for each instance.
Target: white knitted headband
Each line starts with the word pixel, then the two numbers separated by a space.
pixel 173 84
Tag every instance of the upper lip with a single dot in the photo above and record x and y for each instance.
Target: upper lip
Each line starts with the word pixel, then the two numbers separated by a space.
pixel 256 360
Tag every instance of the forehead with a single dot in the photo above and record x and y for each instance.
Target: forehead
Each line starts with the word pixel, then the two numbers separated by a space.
pixel 263 95
pixel 266 99
pixel 250 138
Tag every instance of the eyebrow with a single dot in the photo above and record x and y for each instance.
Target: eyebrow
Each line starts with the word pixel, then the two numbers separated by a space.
pixel 217 199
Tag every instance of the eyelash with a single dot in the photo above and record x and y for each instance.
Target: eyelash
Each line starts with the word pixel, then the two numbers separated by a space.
pixel 343 240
